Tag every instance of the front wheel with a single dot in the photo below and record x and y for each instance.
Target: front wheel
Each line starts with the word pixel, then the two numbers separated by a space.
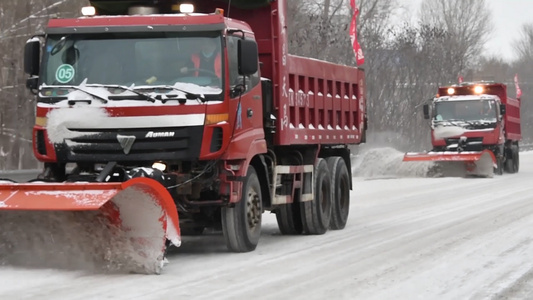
pixel 241 224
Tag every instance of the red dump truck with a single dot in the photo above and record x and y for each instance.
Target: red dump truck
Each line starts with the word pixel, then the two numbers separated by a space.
pixel 476 125
pixel 141 127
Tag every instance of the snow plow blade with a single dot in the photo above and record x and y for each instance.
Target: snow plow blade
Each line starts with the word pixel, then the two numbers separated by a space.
pixel 467 163
pixel 113 227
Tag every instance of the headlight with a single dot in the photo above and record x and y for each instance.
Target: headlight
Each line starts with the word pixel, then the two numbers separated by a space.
pixel 161 166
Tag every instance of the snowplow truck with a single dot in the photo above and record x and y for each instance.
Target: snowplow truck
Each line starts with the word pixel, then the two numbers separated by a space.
pixel 475 130
pixel 156 120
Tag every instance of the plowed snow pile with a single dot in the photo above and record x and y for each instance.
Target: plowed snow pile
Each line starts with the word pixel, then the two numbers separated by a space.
pixel 387 162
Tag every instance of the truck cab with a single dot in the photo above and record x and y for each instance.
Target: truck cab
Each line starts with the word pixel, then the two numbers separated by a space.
pixel 151 78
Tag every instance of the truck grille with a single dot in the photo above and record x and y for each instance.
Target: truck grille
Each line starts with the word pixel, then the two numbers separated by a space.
pixel 131 145
pixel 472 143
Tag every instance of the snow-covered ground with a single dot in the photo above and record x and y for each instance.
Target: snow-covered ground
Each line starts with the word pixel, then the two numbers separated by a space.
pixel 406 238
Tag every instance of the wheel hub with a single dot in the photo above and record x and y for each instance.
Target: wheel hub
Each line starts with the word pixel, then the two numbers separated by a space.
pixel 253 209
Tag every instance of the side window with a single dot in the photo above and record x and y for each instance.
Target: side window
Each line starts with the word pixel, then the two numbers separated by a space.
pixel 233 59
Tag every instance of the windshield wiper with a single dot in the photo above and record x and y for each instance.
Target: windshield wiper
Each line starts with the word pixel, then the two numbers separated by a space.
pixel 77 88
pixel 452 122
pixel 125 88
pixel 189 95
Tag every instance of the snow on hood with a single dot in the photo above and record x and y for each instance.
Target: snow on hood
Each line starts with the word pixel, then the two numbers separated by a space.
pixel 442 132
pixel 59 120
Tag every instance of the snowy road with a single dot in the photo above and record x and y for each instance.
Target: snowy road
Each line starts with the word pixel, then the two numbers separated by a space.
pixel 410 238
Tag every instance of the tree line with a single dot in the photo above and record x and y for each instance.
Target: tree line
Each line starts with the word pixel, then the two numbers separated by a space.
pixel 405 61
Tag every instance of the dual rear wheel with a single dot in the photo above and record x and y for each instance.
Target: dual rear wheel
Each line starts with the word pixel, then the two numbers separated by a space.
pixel 330 205
pixel 329 208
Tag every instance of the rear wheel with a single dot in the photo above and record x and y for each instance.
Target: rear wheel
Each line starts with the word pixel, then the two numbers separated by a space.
pixel 509 165
pixel 241 224
pixel 340 186
pixel 512 159
pixel 516 158
pixel 316 214
pixel 289 219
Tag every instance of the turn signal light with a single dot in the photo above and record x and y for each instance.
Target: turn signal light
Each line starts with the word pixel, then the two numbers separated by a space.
pixel 216 118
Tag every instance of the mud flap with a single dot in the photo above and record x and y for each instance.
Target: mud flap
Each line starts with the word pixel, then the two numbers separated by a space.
pixel 465 163
pixel 113 227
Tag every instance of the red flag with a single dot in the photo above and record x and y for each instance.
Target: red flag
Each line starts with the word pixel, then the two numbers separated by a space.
pixel 518 90
pixel 359 57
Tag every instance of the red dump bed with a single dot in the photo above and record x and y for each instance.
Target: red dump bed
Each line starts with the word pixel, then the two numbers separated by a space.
pixel 315 102
pixel 512 115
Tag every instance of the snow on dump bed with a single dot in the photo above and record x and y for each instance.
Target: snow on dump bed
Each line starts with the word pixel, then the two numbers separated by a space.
pixel 387 162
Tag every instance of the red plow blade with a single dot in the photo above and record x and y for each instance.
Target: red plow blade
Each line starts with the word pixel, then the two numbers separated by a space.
pixel 480 163
pixel 100 226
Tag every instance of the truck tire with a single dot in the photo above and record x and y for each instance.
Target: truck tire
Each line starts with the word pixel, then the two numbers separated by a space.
pixel 516 159
pixel 316 214
pixel 241 224
pixel 289 218
pixel 512 162
pixel 340 190
pixel 509 164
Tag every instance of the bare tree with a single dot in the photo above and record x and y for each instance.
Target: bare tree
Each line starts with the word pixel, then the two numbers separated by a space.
pixel 523 66
pixel 524 45
pixel 319 29
pixel 468 24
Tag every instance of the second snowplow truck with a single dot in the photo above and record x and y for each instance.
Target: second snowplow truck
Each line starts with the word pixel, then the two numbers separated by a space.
pixel 155 120
pixel 475 127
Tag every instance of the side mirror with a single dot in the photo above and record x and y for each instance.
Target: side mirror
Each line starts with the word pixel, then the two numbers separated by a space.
pixel 426 111
pixel 502 109
pixel 32 55
pixel 248 57
pixel 32 84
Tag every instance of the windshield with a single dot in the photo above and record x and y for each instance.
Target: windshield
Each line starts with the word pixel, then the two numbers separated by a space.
pixel 138 59
pixel 468 110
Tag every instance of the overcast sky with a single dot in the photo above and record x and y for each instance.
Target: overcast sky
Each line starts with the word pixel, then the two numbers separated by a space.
pixel 508 15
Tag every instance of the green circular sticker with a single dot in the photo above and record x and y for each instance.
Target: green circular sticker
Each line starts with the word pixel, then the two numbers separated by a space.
pixel 65 73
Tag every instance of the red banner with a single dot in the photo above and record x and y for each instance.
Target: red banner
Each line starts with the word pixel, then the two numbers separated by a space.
pixel 359 57
pixel 518 90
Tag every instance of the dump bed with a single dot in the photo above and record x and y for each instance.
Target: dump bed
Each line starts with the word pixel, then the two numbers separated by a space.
pixel 315 102
pixel 512 114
